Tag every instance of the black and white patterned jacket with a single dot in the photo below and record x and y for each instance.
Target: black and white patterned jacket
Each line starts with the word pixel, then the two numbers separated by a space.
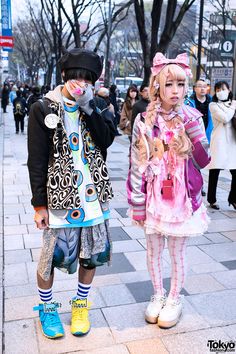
pixel 50 162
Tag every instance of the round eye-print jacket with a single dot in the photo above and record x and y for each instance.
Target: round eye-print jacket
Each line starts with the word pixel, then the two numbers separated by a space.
pixel 50 162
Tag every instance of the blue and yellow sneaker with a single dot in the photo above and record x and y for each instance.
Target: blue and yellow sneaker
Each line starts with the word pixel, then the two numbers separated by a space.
pixel 50 320
pixel 80 324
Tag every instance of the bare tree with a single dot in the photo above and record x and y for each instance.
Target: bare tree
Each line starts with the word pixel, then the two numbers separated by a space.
pixel 45 38
pixel 216 26
pixel 53 12
pixel 65 25
pixel 28 49
pixel 52 29
pixel 173 17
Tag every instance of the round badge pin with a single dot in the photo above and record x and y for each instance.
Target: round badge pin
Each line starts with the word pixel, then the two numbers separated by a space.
pixel 51 120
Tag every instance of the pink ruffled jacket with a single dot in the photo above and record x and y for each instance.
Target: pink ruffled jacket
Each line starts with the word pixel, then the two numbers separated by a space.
pixel 136 182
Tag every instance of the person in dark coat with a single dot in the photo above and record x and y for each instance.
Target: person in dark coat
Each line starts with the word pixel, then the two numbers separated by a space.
pixel 113 99
pixel 201 100
pixel 141 105
pixel 5 97
pixel 19 111
pixel 34 97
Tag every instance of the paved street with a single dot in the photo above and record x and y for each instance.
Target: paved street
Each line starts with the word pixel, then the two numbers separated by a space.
pixel 120 293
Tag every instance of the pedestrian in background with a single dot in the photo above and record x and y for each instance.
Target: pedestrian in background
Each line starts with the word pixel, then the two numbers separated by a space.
pixel 200 100
pixel 103 92
pixel 164 187
pixel 223 142
pixel 107 111
pixel 45 89
pixel 113 98
pixel 5 97
pixel 34 97
pixel 19 111
pixel 25 91
pixel 141 105
pixel 126 113
pixel 12 94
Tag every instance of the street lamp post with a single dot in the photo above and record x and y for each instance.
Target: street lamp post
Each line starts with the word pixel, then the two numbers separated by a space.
pixel 199 51
pixel 107 57
pixel 53 69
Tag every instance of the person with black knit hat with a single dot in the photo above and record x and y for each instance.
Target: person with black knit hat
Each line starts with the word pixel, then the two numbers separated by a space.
pixel 35 96
pixel 67 142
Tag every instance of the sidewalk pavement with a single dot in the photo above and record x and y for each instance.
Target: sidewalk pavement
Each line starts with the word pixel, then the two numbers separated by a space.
pixel 119 293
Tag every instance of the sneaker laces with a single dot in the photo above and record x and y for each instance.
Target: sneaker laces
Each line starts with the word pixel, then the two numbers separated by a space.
pixel 174 302
pixel 156 297
pixel 79 314
pixel 51 318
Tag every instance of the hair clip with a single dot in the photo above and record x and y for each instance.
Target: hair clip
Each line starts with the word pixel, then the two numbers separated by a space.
pixel 156 85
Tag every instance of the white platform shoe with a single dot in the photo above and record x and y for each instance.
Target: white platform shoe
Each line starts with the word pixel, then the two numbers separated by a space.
pixel 154 307
pixel 170 313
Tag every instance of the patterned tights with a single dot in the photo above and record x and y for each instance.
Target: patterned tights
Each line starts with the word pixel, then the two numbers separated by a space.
pixel 177 251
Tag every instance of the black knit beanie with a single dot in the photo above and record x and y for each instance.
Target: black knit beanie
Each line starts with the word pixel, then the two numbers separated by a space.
pixel 79 58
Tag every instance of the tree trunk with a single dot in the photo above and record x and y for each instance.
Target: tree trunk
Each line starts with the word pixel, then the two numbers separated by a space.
pixel 140 19
pixel 150 47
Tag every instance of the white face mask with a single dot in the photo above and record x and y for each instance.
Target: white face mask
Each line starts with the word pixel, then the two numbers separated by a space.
pixel 222 95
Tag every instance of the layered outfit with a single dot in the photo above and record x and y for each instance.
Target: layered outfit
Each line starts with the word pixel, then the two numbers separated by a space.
pixel 68 137
pixel 223 148
pixel 180 214
pixel 69 176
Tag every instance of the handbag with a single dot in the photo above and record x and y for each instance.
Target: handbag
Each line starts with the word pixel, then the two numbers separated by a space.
pixel 167 190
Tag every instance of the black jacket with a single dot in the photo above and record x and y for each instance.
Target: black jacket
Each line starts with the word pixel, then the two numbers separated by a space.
pixel 138 107
pixel 40 145
pixel 23 105
pixel 32 99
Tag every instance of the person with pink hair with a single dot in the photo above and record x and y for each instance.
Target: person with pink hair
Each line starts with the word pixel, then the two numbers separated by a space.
pixel 169 147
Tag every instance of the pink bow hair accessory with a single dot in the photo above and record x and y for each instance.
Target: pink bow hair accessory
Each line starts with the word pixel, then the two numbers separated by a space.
pixel 159 61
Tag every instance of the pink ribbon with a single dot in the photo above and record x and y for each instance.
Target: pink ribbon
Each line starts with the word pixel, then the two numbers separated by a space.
pixel 159 61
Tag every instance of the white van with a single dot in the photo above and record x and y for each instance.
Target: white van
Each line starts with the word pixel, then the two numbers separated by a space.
pixel 123 83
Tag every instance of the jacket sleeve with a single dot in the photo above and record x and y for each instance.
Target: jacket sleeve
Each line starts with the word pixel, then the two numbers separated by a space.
pixel 136 184
pixel 190 102
pixel 209 126
pixel 196 131
pixel 101 128
pixel 123 117
pixel 221 113
pixel 38 155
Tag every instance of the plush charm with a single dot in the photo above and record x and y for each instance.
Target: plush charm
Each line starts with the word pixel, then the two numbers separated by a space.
pixel 157 150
